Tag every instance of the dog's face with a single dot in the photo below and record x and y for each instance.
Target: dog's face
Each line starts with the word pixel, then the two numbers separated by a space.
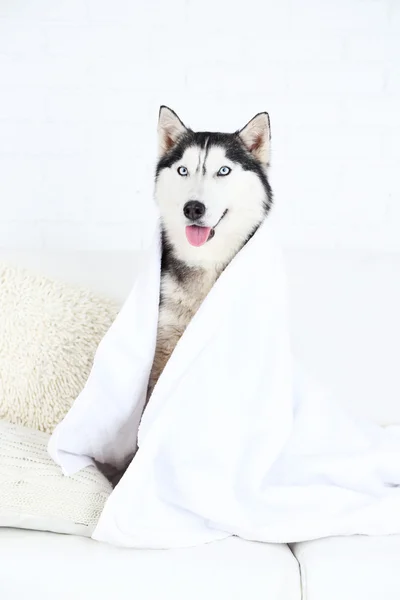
pixel 211 188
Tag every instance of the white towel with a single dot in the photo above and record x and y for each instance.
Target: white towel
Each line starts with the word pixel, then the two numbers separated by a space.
pixel 235 440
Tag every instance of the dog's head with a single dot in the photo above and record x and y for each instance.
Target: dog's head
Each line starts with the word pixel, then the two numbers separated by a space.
pixel 211 188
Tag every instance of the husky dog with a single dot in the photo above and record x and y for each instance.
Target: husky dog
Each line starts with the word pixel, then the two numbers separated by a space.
pixel 213 193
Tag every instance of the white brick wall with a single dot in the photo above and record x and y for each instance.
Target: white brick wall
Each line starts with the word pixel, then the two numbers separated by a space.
pixel 81 82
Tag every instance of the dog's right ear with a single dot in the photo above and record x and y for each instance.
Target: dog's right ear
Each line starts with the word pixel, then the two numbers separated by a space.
pixel 256 136
pixel 170 129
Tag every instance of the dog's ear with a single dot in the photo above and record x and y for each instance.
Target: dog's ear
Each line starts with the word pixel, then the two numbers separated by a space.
pixel 170 129
pixel 256 137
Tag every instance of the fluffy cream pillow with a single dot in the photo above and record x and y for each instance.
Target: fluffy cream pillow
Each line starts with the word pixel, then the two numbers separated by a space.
pixel 34 494
pixel 49 332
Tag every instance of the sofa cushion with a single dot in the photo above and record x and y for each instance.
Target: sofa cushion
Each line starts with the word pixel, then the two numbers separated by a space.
pixel 49 332
pixel 66 567
pixel 350 568
pixel 34 494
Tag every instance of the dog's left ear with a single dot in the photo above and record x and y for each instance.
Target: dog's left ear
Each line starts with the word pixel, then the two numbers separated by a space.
pixel 170 129
pixel 256 136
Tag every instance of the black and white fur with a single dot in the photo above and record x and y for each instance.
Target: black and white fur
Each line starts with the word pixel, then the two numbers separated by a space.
pixel 225 173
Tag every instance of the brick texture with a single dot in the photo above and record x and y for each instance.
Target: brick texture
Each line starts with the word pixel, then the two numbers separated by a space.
pixel 81 82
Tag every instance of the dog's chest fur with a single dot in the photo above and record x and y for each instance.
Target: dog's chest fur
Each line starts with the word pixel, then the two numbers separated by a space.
pixel 181 296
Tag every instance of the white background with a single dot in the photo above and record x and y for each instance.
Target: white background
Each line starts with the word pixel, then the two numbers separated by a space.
pixel 81 82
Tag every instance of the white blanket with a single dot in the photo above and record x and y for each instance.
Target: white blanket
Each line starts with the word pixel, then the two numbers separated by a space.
pixel 235 439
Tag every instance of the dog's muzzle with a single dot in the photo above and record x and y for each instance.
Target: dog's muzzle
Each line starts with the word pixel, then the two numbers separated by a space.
pixel 212 232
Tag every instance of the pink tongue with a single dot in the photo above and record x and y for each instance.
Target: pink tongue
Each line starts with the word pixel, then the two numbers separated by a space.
pixel 197 236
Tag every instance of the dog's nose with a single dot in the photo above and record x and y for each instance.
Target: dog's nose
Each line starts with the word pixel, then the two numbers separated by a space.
pixel 194 210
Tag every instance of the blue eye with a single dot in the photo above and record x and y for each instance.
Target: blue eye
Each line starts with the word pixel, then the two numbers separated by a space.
pixel 224 171
pixel 182 171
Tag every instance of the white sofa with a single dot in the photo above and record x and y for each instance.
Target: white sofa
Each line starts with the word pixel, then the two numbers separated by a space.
pixel 346 330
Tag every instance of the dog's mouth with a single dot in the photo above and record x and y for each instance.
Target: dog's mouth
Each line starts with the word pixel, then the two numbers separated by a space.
pixel 198 235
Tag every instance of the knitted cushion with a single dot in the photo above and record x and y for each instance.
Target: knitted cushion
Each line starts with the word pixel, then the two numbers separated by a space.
pixel 34 494
pixel 49 332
